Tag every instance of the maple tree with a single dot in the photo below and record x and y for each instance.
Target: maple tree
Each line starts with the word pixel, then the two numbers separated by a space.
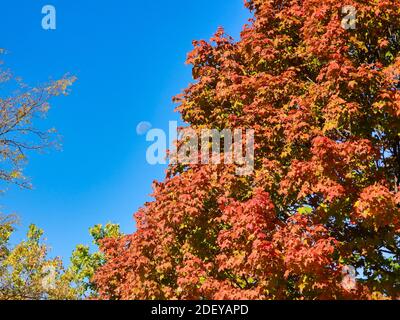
pixel 324 102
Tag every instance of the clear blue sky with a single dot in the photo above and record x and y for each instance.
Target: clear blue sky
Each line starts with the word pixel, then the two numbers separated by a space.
pixel 129 58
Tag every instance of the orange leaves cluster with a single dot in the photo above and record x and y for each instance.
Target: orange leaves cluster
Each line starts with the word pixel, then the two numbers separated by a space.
pixel 377 206
pixel 332 169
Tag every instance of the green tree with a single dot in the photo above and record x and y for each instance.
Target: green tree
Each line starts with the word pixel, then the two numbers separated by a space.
pixel 84 264
pixel 26 271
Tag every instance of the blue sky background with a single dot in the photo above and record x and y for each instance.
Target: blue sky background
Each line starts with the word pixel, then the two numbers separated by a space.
pixel 129 58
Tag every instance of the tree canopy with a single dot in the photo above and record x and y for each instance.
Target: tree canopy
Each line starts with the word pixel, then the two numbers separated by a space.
pixel 324 102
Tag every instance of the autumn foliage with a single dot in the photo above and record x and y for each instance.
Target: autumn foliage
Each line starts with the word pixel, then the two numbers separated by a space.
pixel 324 102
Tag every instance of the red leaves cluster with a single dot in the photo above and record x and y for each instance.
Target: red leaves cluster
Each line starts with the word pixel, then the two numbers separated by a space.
pixel 324 104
